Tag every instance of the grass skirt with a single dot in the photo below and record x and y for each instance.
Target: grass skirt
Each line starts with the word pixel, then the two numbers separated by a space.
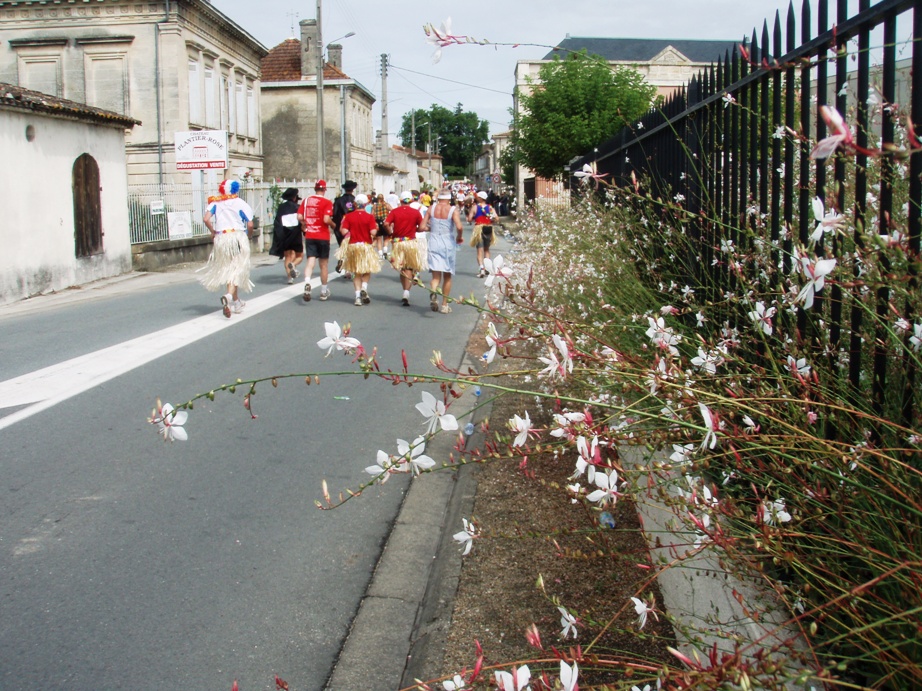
pixel 405 255
pixel 361 258
pixel 477 235
pixel 422 244
pixel 229 263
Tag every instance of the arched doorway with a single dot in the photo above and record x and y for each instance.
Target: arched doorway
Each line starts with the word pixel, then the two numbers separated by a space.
pixel 87 208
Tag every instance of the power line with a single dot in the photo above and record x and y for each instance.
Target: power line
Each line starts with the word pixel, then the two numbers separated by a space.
pixel 445 79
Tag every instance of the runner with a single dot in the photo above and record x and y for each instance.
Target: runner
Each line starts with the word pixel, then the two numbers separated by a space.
pixel 443 248
pixel 361 260
pixel 316 217
pixel 482 215
pixel 230 220
pixel 402 223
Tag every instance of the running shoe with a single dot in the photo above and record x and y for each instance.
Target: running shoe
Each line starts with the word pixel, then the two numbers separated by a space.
pixel 307 292
pixel 358 302
pixel 238 306
pixel 405 302
pixel 291 270
pixel 324 294
pixel 363 296
pixel 433 302
pixel 226 301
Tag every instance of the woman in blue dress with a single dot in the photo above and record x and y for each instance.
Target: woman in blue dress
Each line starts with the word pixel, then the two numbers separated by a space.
pixel 441 220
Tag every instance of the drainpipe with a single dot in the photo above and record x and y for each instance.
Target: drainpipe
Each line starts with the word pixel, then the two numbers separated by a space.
pixel 157 89
pixel 342 131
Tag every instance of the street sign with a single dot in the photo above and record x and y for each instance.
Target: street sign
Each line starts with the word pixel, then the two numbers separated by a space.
pixel 201 150
pixel 496 177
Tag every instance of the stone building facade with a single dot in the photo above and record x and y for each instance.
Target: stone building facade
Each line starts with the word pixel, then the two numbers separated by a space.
pixel 172 65
pixel 289 115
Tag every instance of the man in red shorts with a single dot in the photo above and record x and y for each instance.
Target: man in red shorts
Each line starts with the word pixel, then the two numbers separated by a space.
pixel 402 223
pixel 316 217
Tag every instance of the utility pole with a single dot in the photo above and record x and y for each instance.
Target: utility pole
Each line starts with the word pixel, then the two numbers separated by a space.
pixel 413 131
pixel 321 165
pixel 384 143
pixel 429 173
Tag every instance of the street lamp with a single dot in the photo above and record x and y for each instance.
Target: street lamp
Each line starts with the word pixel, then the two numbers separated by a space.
pixel 321 163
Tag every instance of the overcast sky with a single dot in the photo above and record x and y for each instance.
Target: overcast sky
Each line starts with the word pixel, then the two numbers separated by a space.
pixel 485 72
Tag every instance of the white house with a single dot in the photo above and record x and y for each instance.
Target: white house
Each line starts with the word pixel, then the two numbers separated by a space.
pixel 65 193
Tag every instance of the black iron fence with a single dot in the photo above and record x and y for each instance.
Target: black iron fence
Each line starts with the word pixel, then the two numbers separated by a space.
pixel 733 148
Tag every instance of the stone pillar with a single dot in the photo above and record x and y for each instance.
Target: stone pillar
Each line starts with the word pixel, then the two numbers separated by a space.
pixel 308 47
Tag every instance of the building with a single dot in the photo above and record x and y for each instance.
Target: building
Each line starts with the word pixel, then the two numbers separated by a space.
pixel 66 198
pixel 487 168
pixel 289 115
pixel 667 64
pixel 172 65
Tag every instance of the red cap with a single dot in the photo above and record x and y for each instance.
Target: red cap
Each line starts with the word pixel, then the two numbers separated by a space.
pixel 321 185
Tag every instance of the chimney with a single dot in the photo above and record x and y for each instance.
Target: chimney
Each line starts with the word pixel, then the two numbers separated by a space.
pixel 308 48
pixel 335 55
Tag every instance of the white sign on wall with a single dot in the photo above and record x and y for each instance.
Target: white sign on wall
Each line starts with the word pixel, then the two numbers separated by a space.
pixel 201 150
pixel 180 224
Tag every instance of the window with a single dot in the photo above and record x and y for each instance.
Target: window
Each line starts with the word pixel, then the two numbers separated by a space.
pixel 106 82
pixel 211 113
pixel 87 207
pixel 241 109
pixel 229 100
pixel 252 115
pixel 39 64
pixel 195 93
pixel 225 110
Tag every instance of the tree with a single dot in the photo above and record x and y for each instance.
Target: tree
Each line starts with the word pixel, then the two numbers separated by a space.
pixel 575 104
pixel 457 136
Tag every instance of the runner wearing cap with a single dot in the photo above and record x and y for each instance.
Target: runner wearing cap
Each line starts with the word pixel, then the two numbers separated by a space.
pixel 316 217
pixel 402 223
pixel 482 216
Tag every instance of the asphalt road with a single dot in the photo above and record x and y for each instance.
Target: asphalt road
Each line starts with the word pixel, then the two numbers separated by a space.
pixel 126 562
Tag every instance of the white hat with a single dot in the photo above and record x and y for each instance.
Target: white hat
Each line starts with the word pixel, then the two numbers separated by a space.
pixel 482 195
pixel 361 199
pixel 445 194
pixel 406 196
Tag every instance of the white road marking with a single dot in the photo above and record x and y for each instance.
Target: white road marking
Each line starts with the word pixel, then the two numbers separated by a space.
pixel 47 387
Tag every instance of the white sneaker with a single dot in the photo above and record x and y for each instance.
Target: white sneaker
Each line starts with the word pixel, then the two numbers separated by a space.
pixel 324 294
pixel 358 302
pixel 238 306
pixel 226 301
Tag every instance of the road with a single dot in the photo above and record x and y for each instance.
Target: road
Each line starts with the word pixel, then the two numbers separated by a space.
pixel 127 562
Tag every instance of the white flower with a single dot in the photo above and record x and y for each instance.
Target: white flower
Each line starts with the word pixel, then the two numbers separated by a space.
pixel 779 132
pixel 588 454
pixel 568 676
pixel 826 221
pixel 335 339
pixel 454 684
pixel 466 536
pixel 710 439
pixel 557 366
pixel 170 422
pixel 762 316
pixel 564 422
pixel 522 426
pixel 383 468
pixel 440 38
pixel 682 454
pixel 568 622
pixel 412 456
pixel 799 366
pixel 435 413
pixel 707 361
pixel 663 336
pixel 728 99
pixel 901 325
pixel 750 426
pixel 520 681
pixel 492 337
pixel 607 492
pixel 815 271
pixel 916 339
pixel 496 268
pixel 775 512
pixel 640 607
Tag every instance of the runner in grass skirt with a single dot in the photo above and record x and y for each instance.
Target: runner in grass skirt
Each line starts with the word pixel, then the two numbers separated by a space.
pixel 230 219
pixel 402 222
pixel 360 259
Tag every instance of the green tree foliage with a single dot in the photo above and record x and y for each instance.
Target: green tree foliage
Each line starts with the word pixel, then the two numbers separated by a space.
pixel 457 136
pixel 576 104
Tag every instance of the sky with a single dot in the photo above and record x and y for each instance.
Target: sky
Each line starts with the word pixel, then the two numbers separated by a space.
pixel 481 77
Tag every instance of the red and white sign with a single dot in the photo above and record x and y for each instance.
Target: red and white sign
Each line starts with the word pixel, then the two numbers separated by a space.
pixel 201 150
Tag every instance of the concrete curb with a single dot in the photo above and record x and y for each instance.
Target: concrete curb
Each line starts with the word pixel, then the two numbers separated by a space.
pixel 399 632
pixel 698 592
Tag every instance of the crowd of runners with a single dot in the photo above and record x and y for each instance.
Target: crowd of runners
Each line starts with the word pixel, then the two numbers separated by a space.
pixel 412 232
